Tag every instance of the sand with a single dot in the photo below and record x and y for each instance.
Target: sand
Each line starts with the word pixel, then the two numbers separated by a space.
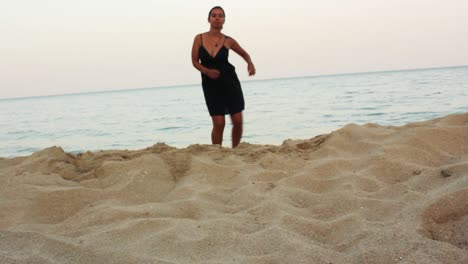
pixel 361 194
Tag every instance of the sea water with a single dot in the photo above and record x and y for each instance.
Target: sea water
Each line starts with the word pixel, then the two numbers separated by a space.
pixel 279 109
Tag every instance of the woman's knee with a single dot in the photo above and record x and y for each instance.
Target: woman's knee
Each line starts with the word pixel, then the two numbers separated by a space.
pixel 236 119
pixel 237 124
pixel 218 122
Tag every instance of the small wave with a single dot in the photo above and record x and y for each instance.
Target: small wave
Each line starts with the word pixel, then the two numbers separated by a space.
pixel 170 128
pixel 368 108
pixel 16 132
pixel 26 151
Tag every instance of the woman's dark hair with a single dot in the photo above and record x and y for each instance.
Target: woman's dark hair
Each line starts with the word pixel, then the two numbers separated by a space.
pixel 216 7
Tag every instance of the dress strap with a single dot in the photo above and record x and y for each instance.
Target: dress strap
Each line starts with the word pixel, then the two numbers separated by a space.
pixel 201 38
pixel 225 38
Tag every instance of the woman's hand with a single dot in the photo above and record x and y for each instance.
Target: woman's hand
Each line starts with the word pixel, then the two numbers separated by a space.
pixel 251 69
pixel 213 73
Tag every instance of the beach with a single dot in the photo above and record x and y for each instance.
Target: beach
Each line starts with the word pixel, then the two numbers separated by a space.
pixel 361 194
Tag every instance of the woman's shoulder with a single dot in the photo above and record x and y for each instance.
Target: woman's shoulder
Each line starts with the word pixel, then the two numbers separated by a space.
pixel 198 39
pixel 229 38
pixel 200 35
pixel 229 41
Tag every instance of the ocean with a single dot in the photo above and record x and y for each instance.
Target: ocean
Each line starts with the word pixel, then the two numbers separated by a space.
pixel 276 110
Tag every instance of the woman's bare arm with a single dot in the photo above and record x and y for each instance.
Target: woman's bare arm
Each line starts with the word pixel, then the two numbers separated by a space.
pixel 239 50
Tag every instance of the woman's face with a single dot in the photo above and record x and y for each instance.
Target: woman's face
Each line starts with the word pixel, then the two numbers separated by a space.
pixel 216 18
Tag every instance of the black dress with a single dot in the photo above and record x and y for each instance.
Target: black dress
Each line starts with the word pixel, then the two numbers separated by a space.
pixel 224 94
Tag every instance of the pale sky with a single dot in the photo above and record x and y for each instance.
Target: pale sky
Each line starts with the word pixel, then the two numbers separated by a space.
pixel 68 46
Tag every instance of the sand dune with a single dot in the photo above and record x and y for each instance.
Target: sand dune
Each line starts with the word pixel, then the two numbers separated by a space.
pixel 361 194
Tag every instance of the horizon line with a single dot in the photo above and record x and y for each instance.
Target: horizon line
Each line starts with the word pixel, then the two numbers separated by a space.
pixel 268 79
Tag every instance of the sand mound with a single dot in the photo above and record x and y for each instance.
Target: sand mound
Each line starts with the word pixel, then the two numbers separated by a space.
pixel 361 194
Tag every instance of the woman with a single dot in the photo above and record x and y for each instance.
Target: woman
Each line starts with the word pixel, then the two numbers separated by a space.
pixel 221 87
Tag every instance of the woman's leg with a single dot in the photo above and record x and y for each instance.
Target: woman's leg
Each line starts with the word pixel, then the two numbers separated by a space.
pixel 218 129
pixel 236 128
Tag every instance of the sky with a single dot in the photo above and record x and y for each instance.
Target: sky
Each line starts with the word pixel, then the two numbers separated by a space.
pixel 51 47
